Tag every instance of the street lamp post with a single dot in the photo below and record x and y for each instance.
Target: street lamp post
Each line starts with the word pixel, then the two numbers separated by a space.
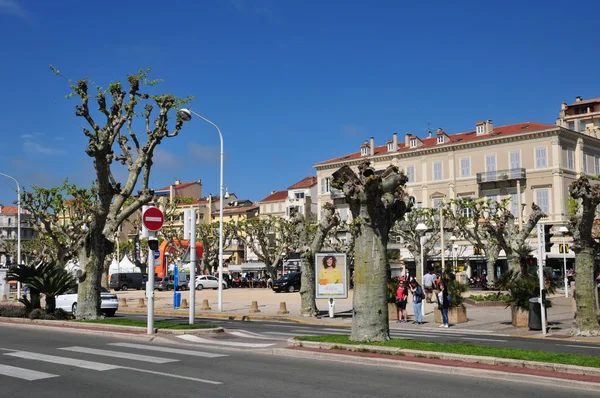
pixel 18 226
pixel 563 231
pixel 454 248
pixel 186 116
pixel 421 229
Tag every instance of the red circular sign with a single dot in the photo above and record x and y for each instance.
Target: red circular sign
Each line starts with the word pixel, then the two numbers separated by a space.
pixel 153 219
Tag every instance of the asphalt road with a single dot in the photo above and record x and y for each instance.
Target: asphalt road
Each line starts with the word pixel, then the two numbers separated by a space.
pixel 49 364
pixel 281 331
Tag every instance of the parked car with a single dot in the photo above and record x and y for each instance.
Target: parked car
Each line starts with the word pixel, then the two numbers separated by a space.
pixel 161 283
pixel 127 280
pixel 68 301
pixel 183 281
pixel 288 283
pixel 208 282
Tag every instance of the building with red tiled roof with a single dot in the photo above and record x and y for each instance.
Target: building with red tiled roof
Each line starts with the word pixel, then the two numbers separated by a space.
pixel 180 189
pixel 274 204
pixel 524 162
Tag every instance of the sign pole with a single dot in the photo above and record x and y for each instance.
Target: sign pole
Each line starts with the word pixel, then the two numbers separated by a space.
pixel 541 261
pixel 152 220
pixel 192 247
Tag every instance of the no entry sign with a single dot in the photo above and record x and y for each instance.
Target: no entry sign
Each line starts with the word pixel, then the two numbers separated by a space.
pixel 153 219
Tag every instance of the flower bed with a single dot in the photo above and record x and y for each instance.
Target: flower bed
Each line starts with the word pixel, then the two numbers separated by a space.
pixel 488 300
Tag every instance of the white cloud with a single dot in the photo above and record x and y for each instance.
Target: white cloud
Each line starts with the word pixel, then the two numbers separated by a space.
pixel 166 160
pixel 203 154
pixel 13 7
pixel 31 144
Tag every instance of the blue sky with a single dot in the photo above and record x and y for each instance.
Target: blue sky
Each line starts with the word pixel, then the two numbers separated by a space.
pixel 289 82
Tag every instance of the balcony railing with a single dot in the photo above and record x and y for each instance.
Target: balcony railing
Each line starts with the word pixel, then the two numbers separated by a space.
pixel 501 175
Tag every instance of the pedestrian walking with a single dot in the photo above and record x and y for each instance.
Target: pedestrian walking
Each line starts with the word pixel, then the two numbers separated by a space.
pixel 428 280
pixel 401 299
pixel 418 296
pixel 444 304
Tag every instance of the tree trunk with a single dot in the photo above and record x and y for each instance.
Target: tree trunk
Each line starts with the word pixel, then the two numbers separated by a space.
pixel 417 257
pixel 50 304
pixel 491 259
pixel 370 321
pixel 514 261
pixel 307 288
pixel 91 259
pixel 587 320
pixel 36 300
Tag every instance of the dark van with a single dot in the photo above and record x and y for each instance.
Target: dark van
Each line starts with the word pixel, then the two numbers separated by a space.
pixel 127 280
pixel 288 283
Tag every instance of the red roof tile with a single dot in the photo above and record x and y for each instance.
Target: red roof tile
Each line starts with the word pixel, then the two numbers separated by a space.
pixel 276 196
pixel 9 210
pixel 305 183
pixel 178 186
pixel 584 102
pixel 499 131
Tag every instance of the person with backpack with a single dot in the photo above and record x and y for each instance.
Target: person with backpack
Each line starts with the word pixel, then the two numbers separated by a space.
pixel 401 299
pixel 418 296
pixel 444 304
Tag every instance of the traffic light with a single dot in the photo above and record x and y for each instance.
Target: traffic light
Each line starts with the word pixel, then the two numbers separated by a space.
pixel 563 248
pixel 547 237
pixel 153 244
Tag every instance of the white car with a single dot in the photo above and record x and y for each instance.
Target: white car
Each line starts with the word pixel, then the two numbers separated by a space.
pixel 68 301
pixel 208 282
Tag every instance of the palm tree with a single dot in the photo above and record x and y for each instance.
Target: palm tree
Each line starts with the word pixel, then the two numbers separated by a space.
pixel 24 273
pixel 47 279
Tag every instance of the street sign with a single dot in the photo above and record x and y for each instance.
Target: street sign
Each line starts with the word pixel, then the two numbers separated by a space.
pixel 153 219
pixel 156 254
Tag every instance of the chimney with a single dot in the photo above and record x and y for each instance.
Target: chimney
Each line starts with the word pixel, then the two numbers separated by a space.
pixel 563 106
pixel 407 138
pixel 171 192
pixel 272 192
pixel 395 141
pixel 372 146
pixel 578 99
pixel 429 134
pixel 489 127
pixel 1 207
pixel 177 182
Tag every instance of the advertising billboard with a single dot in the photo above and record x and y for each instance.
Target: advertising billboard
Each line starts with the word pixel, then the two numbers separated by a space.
pixel 331 275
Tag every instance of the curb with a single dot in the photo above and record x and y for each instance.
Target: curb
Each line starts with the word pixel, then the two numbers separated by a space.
pixel 120 329
pixel 572 369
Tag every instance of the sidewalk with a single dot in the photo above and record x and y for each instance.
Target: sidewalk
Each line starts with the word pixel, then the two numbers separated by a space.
pixel 237 304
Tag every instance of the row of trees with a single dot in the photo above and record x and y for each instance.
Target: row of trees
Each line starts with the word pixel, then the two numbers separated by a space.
pixel 123 131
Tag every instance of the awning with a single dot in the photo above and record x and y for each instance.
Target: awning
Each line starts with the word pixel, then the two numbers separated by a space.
pixel 234 268
pixel 250 267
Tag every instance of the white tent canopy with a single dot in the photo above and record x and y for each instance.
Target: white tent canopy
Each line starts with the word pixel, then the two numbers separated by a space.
pixel 125 266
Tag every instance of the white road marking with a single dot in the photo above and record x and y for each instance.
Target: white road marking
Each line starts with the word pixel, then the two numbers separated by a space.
pixel 24 374
pixel 122 355
pixel 166 374
pixel 249 335
pixel 291 334
pixel 475 338
pixel 169 350
pixel 582 346
pixel 78 363
pixel 196 339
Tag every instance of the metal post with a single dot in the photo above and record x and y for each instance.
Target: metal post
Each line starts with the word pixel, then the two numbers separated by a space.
pixel 192 246
pixel 422 272
pixel 565 266
pixel 520 209
pixel 18 226
pixel 541 258
pixel 442 238
pixel 150 289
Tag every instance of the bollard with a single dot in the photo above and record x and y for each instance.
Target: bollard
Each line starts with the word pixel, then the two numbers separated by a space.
pixel 331 308
pixel 184 303
pixel 4 298
pixel 141 303
pixel 123 302
pixel 254 307
pixel 283 308
pixel 205 306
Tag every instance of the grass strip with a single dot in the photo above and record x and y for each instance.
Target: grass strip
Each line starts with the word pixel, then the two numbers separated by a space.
pixel 140 323
pixel 468 349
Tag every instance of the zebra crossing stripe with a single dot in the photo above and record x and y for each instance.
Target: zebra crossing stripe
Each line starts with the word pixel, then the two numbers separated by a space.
pixel 78 363
pixel 116 354
pixel 196 339
pixel 24 374
pixel 169 350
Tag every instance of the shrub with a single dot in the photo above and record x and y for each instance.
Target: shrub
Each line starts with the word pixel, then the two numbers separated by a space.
pixel 13 311
pixel 456 289
pixel 491 297
pixel 38 313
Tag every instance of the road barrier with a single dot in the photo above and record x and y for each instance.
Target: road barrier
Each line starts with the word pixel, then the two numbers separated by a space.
pixel 141 303
pixel 184 303
pixel 254 307
pixel 283 308
pixel 205 306
pixel 123 302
